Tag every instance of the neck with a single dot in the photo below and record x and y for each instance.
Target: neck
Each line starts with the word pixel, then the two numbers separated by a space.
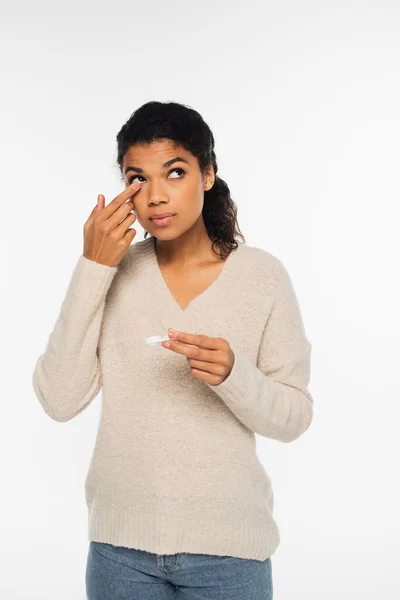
pixel 187 250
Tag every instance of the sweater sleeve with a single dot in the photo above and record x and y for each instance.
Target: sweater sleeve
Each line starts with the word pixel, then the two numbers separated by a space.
pixel 67 376
pixel 271 398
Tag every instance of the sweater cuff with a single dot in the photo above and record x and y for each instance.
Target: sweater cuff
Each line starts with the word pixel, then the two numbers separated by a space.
pixel 90 280
pixel 233 389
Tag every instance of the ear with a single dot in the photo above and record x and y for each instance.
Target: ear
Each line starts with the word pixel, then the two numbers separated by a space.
pixel 209 178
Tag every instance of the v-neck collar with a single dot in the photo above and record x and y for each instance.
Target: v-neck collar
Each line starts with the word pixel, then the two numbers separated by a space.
pixel 165 296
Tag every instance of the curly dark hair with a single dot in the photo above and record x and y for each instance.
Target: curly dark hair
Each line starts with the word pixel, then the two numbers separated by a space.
pixel 183 125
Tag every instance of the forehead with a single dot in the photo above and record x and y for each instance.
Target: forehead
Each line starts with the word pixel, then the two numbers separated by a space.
pixel 154 154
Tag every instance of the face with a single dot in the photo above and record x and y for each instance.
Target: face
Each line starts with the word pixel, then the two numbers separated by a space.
pixel 171 182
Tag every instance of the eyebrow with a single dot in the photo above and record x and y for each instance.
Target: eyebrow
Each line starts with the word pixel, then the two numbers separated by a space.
pixel 165 165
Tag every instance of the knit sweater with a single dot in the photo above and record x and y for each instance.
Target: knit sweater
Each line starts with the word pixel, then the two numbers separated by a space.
pixel 175 466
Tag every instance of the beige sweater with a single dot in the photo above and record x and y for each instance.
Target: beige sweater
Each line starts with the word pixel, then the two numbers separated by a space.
pixel 175 467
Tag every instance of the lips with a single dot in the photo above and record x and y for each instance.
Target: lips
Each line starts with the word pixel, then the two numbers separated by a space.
pixel 162 215
pixel 161 222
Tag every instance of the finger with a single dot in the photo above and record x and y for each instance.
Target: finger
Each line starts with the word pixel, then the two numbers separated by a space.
pixel 204 376
pixel 100 201
pixel 208 367
pixel 120 199
pixel 96 209
pixel 122 228
pixel 191 351
pixel 200 340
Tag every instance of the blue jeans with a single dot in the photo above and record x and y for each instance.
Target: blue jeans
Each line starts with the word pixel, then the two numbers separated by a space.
pixel 119 573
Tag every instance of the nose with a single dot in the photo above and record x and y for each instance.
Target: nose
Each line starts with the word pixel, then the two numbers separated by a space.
pixel 156 195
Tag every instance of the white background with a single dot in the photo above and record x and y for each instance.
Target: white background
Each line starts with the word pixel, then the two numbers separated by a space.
pixel 303 99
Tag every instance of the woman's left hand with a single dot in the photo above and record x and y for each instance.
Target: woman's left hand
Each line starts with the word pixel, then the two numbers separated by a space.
pixel 210 358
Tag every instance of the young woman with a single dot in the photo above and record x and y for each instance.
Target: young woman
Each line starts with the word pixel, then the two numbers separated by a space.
pixel 179 504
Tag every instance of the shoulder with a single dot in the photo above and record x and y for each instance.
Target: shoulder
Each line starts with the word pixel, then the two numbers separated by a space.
pixel 134 254
pixel 130 268
pixel 265 272
pixel 143 246
pixel 261 262
pixel 133 262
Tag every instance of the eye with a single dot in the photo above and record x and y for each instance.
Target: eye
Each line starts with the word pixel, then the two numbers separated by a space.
pixel 131 179
pixel 178 169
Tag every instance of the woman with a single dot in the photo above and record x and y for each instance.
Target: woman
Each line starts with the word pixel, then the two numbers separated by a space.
pixel 179 504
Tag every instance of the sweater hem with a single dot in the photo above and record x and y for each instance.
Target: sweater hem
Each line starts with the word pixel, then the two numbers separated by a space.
pixel 161 534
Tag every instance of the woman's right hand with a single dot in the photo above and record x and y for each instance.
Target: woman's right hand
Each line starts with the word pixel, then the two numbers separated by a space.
pixel 107 235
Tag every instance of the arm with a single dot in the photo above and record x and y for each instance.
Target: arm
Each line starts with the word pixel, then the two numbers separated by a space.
pixel 271 398
pixel 67 377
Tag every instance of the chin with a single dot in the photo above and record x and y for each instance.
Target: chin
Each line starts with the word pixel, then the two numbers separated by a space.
pixel 164 235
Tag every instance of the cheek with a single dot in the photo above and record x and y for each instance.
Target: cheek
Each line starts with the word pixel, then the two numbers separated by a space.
pixel 196 194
